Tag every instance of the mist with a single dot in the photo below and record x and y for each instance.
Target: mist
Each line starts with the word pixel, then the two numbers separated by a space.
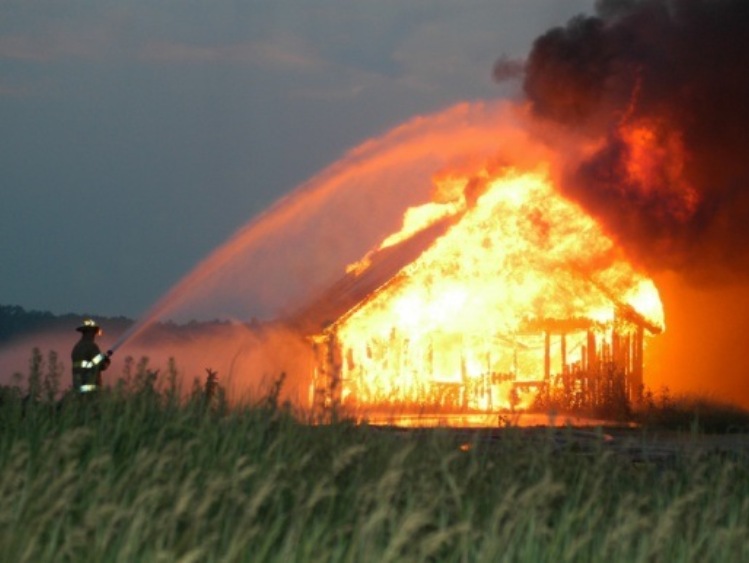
pixel 248 360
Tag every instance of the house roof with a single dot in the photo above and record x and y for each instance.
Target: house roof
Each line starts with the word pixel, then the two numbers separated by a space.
pixel 356 288
pixel 353 289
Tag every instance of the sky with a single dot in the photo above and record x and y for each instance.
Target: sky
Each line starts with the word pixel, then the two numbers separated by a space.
pixel 138 136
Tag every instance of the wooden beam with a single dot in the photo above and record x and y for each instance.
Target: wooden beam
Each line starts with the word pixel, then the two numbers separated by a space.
pixel 638 365
pixel 592 354
pixel 563 340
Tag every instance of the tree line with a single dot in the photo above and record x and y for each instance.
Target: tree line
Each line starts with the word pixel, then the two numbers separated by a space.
pixel 17 322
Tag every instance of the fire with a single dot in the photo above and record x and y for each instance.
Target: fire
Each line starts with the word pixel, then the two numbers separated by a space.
pixel 520 292
pixel 655 161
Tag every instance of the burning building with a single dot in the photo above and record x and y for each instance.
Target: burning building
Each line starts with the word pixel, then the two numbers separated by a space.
pixel 513 282
pixel 496 292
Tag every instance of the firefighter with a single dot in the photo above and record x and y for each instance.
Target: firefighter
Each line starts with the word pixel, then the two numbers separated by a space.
pixel 88 360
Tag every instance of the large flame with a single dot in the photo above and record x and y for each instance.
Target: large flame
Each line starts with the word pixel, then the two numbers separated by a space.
pixel 473 311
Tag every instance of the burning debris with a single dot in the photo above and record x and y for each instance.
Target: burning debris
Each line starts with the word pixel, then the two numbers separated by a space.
pixel 508 291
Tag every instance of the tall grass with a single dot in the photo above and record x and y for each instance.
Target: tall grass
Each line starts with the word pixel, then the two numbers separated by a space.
pixel 141 474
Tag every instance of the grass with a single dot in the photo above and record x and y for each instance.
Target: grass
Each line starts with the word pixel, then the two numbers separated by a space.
pixel 685 412
pixel 143 475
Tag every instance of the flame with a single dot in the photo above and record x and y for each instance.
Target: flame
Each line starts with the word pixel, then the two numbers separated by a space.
pixel 655 163
pixel 464 322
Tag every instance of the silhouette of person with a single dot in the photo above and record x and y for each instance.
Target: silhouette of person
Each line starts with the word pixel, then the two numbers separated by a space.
pixel 88 359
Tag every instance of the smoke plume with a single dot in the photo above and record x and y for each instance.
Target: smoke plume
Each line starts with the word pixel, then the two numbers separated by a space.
pixel 658 89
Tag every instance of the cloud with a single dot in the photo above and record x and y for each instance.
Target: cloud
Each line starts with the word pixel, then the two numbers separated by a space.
pixel 268 54
pixel 14 90
pixel 31 48
pixel 60 42
pixel 105 41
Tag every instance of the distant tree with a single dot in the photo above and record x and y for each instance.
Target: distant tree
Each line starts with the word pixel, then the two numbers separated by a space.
pixel 17 322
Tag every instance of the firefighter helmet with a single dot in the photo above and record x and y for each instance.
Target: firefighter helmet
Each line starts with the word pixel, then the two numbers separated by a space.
pixel 89 325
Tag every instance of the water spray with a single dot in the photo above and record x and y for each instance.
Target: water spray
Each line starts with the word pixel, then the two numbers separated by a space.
pixel 144 321
pixel 125 336
pixel 412 151
pixel 242 240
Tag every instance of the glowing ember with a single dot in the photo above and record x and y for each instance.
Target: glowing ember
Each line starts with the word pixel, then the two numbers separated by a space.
pixel 523 290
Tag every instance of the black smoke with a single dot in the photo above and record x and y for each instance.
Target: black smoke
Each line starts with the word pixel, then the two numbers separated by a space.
pixel 680 70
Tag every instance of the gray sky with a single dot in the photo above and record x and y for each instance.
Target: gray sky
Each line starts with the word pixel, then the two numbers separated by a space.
pixel 137 136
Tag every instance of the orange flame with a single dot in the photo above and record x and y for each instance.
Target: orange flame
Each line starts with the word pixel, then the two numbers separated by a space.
pixel 655 163
pixel 467 322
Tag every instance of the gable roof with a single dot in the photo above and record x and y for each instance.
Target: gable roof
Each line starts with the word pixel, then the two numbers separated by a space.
pixel 354 289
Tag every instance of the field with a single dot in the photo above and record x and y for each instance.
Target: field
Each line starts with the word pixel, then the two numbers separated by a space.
pixel 145 474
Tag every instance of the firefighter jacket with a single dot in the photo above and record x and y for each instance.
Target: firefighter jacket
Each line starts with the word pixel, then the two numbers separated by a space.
pixel 88 363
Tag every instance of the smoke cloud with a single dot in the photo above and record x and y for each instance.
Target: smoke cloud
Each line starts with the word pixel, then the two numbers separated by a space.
pixel 658 89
